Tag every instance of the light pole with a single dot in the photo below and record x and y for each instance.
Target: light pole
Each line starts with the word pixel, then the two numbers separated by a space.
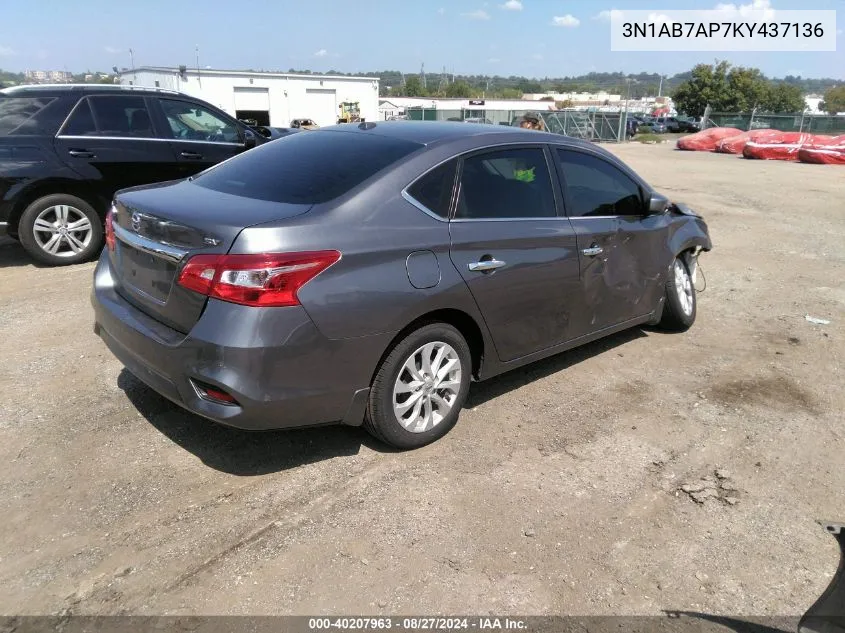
pixel 132 58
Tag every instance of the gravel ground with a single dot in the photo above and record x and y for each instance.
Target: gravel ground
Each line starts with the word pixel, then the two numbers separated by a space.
pixel 643 473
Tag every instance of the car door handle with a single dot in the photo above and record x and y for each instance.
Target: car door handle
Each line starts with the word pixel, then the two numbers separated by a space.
pixel 191 155
pixel 485 265
pixel 592 251
pixel 81 153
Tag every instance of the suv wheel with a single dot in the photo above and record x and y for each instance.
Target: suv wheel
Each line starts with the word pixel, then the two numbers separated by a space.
pixel 61 229
pixel 420 387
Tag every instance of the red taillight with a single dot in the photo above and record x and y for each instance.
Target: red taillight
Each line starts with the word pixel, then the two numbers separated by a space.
pixel 255 280
pixel 110 229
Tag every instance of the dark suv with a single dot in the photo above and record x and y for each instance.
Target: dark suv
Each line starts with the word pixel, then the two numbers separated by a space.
pixel 65 151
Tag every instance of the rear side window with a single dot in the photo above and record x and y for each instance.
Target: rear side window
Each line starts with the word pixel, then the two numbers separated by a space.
pixel 81 121
pixel 107 115
pixel 20 115
pixel 506 184
pixel 434 189
pixel 306 168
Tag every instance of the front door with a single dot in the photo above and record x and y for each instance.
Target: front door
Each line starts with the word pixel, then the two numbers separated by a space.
pixel 621 249
pixel 111 141
pixel 516 254
pixel 199 137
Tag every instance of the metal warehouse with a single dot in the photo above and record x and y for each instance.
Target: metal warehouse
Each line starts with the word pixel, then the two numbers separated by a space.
pixel 267 98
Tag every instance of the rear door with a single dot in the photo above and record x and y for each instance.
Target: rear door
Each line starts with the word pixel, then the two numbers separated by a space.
pixel 198 136
pixel 516 253
pixel 112 142
pixel 622 251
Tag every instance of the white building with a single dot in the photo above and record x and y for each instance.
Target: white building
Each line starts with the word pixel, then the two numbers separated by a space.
pixel 268 98
pixel 575 97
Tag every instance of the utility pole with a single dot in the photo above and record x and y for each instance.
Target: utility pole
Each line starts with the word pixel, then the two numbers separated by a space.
pixel 132 58
pixel 198 65
pixel 422 75
pixel 660 88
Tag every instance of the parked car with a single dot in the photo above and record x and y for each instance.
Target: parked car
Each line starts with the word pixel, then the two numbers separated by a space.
pixel 305 124
pixel 273 133
pixel 481 120
pixel 65 150
pixel 678 124
pixel 368 275
pixel 651 125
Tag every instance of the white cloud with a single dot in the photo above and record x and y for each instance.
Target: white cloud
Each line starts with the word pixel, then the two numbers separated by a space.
pixel 112 49
pixel 512 5
pixel 839 32
pixel 607 16
pixel 568 20
pixel 477 15
pixel 5 51
pixel 538 57
pixel 441 11
pixel 321 53
pixel 494 60
pixel 744 10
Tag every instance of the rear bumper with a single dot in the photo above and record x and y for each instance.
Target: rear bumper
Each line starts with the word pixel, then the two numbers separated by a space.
pixel 281 370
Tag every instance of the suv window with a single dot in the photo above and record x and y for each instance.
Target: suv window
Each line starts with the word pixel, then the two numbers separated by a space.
pixel 306 168
pixel 191 122
pixel 434 189
pixel 17 114
pixel 110 115
pixel 596 187
pixel 512 183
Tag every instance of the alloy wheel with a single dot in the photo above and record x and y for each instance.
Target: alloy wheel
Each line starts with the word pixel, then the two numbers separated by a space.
pixel 427 387
pixel 63 230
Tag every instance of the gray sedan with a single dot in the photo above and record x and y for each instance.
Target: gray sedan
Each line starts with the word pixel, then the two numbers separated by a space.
pixel 367 274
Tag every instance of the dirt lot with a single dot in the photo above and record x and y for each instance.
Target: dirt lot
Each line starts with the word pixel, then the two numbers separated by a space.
pixel 557 493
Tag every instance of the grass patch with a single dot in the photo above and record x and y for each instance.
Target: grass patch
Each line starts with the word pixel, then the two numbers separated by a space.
pixel 649 138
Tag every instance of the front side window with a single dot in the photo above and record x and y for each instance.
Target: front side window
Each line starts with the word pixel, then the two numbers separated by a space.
pixel 190 122
pixel 434 189
pixel 506 184
pixel 597 188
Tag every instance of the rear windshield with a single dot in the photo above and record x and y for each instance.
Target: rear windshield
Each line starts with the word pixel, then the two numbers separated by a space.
pixel 306 168
pixel 17 114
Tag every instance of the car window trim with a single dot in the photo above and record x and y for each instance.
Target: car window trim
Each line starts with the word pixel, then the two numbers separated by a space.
pixel 211 109
pixel 550 167
pixel 644 189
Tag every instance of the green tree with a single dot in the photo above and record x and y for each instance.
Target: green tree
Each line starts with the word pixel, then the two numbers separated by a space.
pixel 747 89
pixel 458 89
pixel 413 87
pixel 707 84
pixel 784 97
pixel 834 100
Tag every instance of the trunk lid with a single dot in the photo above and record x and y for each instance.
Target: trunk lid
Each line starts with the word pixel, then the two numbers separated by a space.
pixel 159 227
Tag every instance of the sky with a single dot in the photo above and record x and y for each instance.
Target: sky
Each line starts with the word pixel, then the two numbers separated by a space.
pixel 534 38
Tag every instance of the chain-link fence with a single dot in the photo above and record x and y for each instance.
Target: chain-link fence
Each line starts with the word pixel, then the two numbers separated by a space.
pixel 801 122
pixel 593 126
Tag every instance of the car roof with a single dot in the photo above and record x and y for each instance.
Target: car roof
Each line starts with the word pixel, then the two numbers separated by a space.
pixel 435 132
pixel 61 89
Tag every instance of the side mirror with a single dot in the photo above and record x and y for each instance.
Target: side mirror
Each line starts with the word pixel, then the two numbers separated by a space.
pixel 657 204
pixel 249 139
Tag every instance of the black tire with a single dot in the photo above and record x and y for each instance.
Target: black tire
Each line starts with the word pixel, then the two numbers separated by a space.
pixel 65 255
pixel 380 420
pixel 675 317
